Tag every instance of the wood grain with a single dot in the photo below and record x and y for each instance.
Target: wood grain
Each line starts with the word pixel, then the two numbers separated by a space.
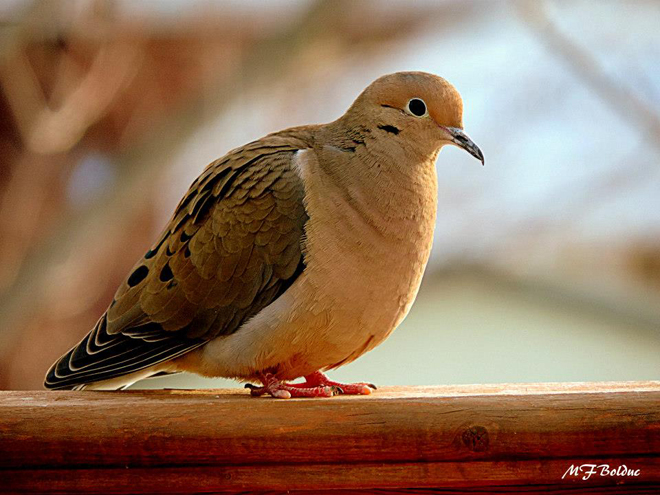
pixel 459 439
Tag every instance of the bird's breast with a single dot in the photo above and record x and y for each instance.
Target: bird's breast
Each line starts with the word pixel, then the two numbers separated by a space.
pixel 367 247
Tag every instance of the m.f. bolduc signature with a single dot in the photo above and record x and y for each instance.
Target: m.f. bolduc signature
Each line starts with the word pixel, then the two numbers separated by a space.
pixel 588 470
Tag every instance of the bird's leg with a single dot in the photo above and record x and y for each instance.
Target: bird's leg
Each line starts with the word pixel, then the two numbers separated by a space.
pixel 282 390
pixel 318 379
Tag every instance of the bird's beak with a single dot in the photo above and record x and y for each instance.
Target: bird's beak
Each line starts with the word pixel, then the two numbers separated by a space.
pixel 460 139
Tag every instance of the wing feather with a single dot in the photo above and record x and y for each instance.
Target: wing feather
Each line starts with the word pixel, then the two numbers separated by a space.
pixel 233 245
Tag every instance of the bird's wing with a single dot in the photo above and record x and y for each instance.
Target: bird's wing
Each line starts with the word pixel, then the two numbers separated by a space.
pixel 232 247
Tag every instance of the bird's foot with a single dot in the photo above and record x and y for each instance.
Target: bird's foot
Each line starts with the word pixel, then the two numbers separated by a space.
pixel 315 385
pixel 284 390
pixel 319 379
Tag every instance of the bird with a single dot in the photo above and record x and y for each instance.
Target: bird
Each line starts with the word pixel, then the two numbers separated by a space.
pixel 289 256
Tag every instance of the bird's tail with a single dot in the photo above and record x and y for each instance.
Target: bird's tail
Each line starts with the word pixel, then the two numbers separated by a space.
pixel 111 361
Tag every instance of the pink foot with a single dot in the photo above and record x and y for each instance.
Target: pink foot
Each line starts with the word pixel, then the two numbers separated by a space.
pixel 283 390
pixel 315 385
pixel 318 379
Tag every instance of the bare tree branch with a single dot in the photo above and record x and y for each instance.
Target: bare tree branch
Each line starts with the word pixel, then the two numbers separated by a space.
pixel 47 130
pixel 623 101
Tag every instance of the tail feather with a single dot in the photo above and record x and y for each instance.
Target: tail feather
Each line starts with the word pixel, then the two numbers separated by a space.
pixel 102 356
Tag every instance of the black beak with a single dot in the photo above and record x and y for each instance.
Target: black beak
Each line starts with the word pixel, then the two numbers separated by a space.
pixel 462 140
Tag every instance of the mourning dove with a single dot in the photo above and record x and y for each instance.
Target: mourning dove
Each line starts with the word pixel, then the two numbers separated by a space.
pixel 289 256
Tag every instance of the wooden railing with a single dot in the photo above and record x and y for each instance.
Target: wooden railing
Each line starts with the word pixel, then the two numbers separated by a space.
pixel 449 439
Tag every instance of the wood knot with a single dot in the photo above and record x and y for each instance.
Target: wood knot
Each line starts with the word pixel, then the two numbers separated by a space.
pixel 475 438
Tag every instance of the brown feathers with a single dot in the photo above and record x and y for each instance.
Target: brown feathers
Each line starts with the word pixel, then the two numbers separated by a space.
pixel 233 245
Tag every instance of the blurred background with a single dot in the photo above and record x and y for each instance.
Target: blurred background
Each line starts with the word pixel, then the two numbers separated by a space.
pixel 546 263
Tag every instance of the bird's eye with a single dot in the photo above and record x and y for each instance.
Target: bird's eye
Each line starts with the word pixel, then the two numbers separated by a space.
pixel 417 107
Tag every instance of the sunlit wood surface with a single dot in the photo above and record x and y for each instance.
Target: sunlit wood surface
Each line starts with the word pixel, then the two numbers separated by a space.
pixel 445 439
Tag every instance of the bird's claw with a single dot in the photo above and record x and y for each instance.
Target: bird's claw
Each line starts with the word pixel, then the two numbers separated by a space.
pixel 337 390
pixel 315 385
pixel 256 391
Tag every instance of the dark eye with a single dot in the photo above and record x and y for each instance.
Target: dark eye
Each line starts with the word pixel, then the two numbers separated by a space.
pixel 417 107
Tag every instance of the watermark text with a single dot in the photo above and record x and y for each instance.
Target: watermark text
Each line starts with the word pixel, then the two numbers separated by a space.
pixel 586 471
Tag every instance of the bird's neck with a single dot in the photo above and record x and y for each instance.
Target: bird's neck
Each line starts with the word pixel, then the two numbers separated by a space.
pixel 372 216
pixel 398 184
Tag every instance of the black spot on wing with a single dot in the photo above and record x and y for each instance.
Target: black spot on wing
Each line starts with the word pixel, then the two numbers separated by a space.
pixel 184 237
pixel 138 275
pixel 166 273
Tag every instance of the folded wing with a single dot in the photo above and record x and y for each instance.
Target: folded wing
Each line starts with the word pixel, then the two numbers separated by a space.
pixel 233 246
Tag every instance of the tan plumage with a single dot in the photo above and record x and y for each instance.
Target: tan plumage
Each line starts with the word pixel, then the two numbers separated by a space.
pixel 292 254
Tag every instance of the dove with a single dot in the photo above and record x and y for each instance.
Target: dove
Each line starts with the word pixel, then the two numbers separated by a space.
pixel 289 256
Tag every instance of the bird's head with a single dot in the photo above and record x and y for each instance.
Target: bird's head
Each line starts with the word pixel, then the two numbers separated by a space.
pixel 420 109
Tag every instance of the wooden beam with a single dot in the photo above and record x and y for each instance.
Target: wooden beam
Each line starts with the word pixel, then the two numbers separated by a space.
pixel 476 439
